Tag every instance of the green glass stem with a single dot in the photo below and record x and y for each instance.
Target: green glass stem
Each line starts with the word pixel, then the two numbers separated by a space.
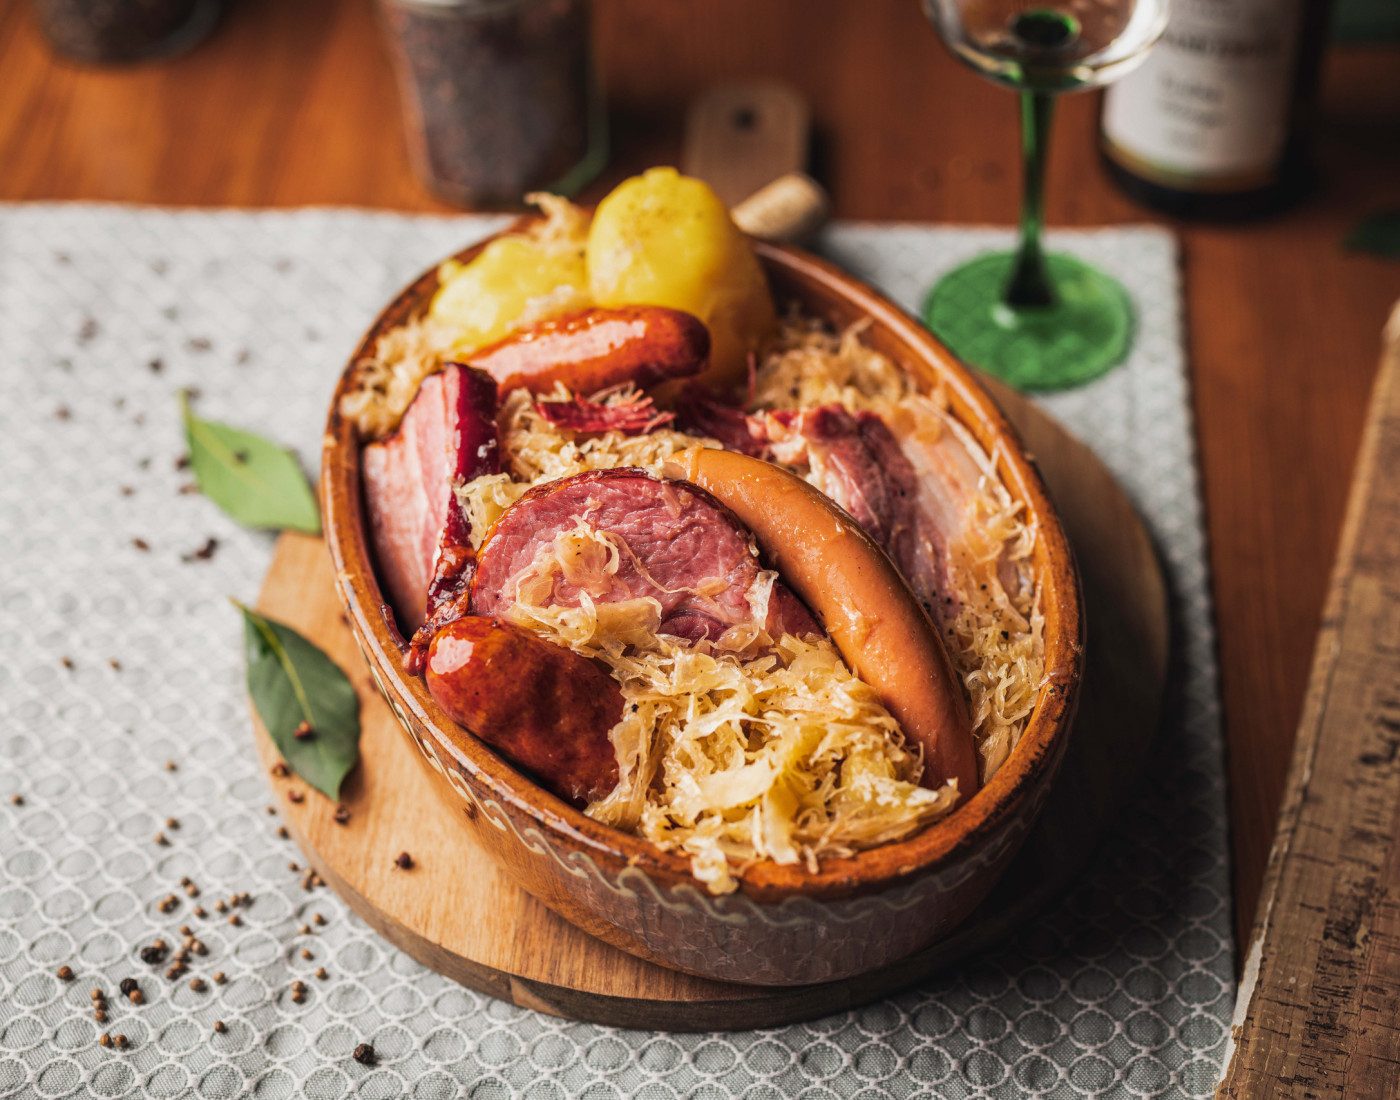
pixel 1029 285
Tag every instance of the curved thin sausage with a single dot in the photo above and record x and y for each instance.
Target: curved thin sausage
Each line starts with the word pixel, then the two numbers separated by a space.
pixel 597 348
pixel 543 707
pixel 858 596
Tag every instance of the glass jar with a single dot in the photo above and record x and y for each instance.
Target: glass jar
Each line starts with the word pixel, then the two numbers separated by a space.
pixel 500 96
pixel 116 31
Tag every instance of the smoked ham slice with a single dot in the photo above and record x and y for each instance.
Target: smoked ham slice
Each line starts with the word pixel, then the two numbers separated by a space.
pixel 416 525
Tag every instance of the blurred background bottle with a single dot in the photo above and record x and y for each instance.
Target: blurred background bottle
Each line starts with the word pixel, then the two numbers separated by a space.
pixel 1216 123
pixel 499 96
pixel 108 32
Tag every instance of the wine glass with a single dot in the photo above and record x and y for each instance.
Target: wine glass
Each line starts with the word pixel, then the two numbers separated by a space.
pixel 1039 321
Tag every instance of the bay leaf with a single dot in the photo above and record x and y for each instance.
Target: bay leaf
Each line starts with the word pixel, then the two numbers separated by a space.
pixel 1378 234
pixel 292 681
pixel 255 481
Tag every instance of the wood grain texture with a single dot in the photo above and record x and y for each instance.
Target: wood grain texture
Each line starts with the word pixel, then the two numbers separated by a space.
pixel 293 103
pixel 456 911
pixel 1320 1004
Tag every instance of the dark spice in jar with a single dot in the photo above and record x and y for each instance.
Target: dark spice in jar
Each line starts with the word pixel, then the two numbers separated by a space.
pixel 499 95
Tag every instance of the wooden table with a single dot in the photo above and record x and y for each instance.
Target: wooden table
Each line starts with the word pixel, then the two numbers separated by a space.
pixel 293 103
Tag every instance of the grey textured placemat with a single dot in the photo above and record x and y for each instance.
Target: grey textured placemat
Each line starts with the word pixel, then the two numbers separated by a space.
pixel 117 655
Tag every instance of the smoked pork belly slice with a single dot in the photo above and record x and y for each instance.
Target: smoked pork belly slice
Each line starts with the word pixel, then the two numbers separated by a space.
pixel 674 543
pixel 448 434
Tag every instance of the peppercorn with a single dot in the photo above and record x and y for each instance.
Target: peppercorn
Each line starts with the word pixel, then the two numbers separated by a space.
pixel 296 796
pixel 317 918
pixel 136 997
pixel 127 985
pixel 197 984
pixel 220 977
pixel 403 861
pixel 65 973
pixel 120 1040
pixel 220 1026
pixel 105 1040
pixel 100 1015
pixel 321 972
pixel 364 1054
pixel 303 731
pixel 280 770
pixel 305 954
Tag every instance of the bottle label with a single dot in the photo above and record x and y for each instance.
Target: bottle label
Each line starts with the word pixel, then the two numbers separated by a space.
pixel 1208 110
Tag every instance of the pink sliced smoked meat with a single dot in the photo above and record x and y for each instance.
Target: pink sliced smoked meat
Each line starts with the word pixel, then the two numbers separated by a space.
pixel 678 539
pixel 448 433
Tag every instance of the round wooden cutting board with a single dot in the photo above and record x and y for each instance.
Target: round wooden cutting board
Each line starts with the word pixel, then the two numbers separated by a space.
pixel 456 912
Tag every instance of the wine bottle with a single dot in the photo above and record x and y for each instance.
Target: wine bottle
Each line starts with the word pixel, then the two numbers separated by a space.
pixel 1215 123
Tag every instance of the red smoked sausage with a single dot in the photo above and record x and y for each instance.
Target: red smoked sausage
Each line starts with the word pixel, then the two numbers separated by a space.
pixel 597 348
pixel 543 707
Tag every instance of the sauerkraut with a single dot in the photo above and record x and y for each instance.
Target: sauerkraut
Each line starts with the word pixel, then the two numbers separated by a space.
pixel 755 748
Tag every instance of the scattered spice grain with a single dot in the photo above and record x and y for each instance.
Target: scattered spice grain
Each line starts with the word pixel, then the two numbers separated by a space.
pixel 141 544
pixel 100 1015
pixel 234 918
pixel 161 839
pixel 403 861
pixel 364 1054
pixel 220 1026
pixel 220 977
pixel 220 905
pixel 321 973
pixel 303 731
pixel 192 890
pixel 136 997
pixel 97 995
pixel 127 985
pixel 304 930
pixel 17 800
pixel 67 663
pixel 293 866
pixel 316 918
pixel 171 823
pixel 306 954
pixel 199 911
pixel 296 796
pixel 105 1040
pixel 280 770
pixel 120 1040
pixel 186 930
pixel 197 984
pixel 65 973
pixel 282 832
pixel 171 766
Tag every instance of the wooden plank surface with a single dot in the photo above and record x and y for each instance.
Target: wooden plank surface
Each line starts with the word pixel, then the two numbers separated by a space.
pixel 1319 1012
pixel 293 103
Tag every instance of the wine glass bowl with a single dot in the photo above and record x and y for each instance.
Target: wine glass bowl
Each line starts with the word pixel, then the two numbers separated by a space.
pixel 1049 45
pixel 1034 320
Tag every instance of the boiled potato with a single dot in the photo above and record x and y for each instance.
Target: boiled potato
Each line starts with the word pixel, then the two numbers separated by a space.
pixel 516 280
pixel 664 239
